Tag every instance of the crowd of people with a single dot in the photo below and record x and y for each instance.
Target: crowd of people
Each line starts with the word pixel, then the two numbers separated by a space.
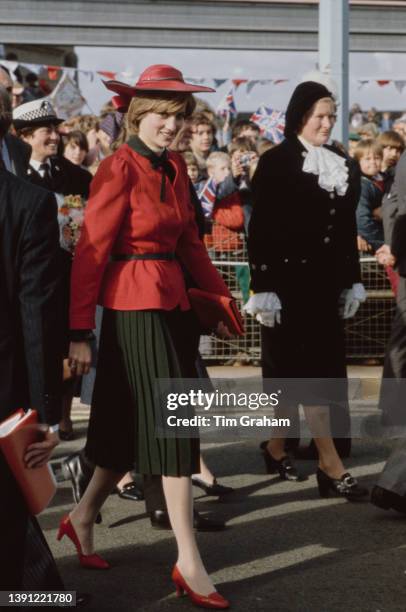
pixel 144 197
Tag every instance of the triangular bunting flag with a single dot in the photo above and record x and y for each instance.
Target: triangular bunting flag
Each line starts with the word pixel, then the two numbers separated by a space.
pixel 196 81
pixel 251 85
pixel 400 85
pixel 238 82
pixel 53 72
pixel 89 74
pixel 106 73
pixel 383 83
pixel 279 81
pixel 219 82
pixel 362 82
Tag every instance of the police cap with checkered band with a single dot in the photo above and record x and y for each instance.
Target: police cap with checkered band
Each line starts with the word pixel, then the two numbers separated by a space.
pixel 36 113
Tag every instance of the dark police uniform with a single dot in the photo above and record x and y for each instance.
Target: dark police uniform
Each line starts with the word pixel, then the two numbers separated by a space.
pixel 64 177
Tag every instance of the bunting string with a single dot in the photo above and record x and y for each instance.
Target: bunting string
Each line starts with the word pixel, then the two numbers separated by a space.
pixel 54 73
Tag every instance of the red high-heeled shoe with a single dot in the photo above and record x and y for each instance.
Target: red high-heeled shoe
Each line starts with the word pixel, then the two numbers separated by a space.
pixel 213 600
pixel 90 561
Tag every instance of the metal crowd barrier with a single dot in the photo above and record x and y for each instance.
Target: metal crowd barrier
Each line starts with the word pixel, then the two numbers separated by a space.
pixel 366 334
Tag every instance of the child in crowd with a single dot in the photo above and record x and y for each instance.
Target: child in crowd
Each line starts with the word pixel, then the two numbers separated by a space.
pixel 192 169
pixel 243 128
pixel 369 155
pixel 75 147
pixel 392 148
pixel 221 204
pixel 98 140
pixel 263 145
pixel 202 133
pixel 244 159
pixel 243 153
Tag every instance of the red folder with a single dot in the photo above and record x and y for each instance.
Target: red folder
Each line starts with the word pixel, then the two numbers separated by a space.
pixel 37 485
pixel 211 308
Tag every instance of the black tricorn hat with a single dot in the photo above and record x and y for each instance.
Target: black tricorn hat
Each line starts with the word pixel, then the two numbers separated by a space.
pixel 305 95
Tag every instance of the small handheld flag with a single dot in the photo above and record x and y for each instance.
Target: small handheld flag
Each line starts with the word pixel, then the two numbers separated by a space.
pixel 270 122
pixel 227 107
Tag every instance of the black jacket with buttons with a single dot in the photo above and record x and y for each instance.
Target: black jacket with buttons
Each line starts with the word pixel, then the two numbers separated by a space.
pixel 300 235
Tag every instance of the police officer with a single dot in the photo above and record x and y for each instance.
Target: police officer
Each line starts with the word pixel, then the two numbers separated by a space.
pixel 36 124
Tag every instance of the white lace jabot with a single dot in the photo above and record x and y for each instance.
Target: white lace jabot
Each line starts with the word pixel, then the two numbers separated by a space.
pixel 328 166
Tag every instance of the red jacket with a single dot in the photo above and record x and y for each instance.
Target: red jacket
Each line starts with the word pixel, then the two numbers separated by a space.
pixel 124 214
pixel 228 217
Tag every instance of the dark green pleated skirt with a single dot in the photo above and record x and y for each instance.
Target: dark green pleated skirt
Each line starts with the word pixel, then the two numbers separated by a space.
pixel 136 348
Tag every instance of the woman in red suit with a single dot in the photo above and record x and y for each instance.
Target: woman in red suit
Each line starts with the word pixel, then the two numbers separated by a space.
pixel 139 226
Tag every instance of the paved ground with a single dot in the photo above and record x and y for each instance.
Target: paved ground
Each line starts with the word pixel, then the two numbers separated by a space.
pixel 286 550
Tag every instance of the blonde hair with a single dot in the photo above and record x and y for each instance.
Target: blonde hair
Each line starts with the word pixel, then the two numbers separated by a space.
pixel 366 145
pixel 160 102
pixel 216 157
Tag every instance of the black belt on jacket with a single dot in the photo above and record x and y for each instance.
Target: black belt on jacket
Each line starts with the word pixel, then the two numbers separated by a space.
pixel 131 256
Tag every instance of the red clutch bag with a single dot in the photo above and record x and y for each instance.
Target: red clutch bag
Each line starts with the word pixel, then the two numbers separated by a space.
pixel 211 308
pixel 37 485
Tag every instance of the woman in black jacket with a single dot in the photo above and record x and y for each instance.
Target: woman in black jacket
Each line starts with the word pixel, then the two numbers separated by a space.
pixel 305 276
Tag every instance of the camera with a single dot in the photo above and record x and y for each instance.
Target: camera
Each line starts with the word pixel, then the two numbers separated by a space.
pixel 245 160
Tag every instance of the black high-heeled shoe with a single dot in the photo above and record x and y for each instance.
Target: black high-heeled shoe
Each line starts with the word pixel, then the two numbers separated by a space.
pixel 346 486
pixel 130 491
pixel 285 467
pixel 215 489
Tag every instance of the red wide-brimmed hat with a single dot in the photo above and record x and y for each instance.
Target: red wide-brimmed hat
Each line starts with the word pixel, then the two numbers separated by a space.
pixel 158 77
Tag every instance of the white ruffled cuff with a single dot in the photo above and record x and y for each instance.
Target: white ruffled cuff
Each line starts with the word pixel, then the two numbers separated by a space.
pixel 262 302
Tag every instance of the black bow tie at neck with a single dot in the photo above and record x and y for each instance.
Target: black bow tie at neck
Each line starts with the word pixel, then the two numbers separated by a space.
pixel 157 161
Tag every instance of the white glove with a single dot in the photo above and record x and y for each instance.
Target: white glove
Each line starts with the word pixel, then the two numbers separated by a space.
pixel 269 318
pixel 350 300
pixel 266 307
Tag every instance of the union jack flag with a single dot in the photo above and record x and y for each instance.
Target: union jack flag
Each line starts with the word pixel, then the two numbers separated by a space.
pixel 227 106
pixel 207 196
pixel 271 123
